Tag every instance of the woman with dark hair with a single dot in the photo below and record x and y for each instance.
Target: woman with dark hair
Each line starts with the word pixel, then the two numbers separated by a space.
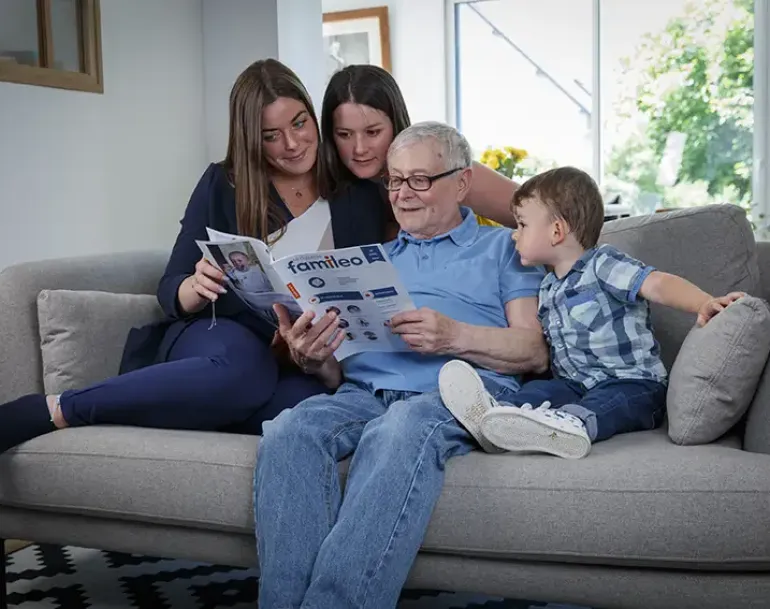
pixel 363 111
pixel 187 373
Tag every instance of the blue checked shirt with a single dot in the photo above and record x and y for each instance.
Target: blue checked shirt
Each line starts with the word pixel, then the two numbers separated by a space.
pixel 597 325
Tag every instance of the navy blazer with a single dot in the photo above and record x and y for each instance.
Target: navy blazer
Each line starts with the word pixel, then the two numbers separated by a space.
pixel 358 217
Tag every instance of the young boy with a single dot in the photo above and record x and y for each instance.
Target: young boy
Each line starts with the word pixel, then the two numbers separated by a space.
pixel 608 376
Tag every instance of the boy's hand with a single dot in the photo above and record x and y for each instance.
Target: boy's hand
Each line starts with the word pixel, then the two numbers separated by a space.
pixel 714 305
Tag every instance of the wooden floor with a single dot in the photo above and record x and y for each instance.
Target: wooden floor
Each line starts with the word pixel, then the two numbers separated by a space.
pixel 12 545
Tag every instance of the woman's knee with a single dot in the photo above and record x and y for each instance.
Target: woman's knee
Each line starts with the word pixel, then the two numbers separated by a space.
pixel 244 383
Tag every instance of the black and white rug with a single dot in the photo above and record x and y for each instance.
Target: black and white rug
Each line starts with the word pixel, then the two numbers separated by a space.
pixel 51 577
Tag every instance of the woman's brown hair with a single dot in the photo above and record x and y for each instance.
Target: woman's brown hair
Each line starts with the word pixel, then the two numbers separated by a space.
pixel 259 85
pixel 367 85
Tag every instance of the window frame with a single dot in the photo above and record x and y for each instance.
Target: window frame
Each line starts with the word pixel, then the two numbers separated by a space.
pixel 90 44
pixel 761 170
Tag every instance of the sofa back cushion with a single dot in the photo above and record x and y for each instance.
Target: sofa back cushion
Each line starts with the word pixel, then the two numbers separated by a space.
pixel 82 334
pixel 712 246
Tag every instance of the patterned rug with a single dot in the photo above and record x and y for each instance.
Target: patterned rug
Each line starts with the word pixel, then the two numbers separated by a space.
pixel 51 577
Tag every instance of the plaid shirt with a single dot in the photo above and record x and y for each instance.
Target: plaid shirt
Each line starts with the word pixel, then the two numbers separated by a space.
pixel 597 326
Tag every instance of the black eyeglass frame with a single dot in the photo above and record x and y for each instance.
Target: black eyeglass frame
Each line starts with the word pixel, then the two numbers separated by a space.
pixel 387 180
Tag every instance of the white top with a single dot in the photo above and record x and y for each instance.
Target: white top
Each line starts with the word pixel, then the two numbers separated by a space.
pixel 310 232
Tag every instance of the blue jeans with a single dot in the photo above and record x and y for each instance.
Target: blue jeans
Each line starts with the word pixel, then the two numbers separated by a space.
pixel 225 378
pixel 318 550
pixel 607 409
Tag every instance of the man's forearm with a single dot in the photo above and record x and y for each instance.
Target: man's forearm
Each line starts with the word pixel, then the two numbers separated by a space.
pixel 513 350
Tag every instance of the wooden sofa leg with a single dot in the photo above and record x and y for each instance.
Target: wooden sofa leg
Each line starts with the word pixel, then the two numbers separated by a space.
pixel 3 596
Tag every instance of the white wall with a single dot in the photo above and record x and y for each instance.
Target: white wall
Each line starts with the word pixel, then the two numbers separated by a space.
pixel 418 51
pixel 237 33
pixel 83 173
pixel 300 43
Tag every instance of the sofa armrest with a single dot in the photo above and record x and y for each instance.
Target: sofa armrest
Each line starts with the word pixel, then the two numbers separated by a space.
pixel 21 369
pixel 756 437
pixel 763 261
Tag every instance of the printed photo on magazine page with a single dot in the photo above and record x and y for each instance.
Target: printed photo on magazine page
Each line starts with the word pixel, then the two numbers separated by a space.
pixel 249 277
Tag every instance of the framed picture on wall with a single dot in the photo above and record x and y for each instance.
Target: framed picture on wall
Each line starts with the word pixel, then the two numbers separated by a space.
pixel 354 37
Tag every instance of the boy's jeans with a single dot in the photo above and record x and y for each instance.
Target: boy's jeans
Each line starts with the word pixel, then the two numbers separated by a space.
pixel 609 408
pixel 320 551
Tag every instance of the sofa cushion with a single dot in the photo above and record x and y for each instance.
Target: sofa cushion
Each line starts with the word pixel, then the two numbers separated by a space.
pixel 715 375
pixel 73 322
pixel 637 499
pixel 712 246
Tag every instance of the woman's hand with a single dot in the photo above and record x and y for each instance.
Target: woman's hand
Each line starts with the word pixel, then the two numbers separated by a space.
pixel 311 346
pixel 426 331
pixel 203 286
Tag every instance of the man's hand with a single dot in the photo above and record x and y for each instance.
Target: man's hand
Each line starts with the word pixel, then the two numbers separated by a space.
pixel 426 331
pixel 714 305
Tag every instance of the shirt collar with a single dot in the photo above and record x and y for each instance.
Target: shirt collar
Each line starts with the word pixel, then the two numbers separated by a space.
pixel 461 235
pixel 578 267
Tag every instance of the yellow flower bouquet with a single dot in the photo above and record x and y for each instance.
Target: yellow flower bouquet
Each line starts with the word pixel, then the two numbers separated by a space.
pixel 506 160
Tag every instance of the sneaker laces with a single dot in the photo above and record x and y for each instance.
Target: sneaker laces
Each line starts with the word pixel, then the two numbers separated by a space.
pixel 568 417
pixel 547 411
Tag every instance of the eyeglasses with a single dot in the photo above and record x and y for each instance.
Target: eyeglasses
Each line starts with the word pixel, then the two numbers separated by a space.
pixel 416 182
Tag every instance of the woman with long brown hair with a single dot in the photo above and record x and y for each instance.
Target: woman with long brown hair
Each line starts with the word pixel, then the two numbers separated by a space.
pixel 363 111
pixel 187 373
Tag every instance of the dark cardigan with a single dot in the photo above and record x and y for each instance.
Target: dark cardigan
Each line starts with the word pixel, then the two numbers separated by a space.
pixel 358 217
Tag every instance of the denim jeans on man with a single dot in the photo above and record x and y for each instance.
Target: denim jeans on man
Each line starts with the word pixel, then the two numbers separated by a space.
pixel 321 550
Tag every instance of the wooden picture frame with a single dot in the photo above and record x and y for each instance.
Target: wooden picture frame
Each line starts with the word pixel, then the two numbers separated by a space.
pixel 46 73
pixel 356 37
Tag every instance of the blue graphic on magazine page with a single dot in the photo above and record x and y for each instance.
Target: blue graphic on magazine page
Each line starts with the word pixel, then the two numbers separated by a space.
pixel 334 296
pixel 372 253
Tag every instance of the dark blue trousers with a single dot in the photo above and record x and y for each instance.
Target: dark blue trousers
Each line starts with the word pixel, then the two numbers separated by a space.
pixel 224 378
pixel 607 409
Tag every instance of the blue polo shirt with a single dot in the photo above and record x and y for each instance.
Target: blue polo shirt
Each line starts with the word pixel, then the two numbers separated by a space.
pixel 468 274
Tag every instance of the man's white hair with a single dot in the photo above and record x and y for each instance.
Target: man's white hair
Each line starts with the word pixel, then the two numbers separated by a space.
pixel 454 149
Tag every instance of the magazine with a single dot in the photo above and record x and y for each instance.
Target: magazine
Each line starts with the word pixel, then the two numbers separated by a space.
pixel 359 284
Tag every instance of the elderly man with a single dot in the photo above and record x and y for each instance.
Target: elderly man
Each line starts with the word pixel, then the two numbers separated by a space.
pixel 318 549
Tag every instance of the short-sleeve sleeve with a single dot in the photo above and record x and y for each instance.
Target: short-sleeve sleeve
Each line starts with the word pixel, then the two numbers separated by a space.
pixel 517 280
pixel 619 274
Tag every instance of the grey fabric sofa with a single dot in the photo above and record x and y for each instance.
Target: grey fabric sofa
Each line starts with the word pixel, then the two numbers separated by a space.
pixel 639 524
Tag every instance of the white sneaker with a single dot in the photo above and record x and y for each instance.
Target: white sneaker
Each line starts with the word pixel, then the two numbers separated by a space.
pixel 465 396
pixel 538 430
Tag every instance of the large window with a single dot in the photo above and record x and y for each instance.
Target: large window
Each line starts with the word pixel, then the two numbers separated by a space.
pixel 654 98
pixel 523 77
pixel 51 43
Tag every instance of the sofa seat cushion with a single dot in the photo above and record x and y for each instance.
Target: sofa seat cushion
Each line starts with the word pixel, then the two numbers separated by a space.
pixel 637 499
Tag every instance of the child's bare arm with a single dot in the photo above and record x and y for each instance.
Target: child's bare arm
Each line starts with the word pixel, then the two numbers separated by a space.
pixel 678 293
